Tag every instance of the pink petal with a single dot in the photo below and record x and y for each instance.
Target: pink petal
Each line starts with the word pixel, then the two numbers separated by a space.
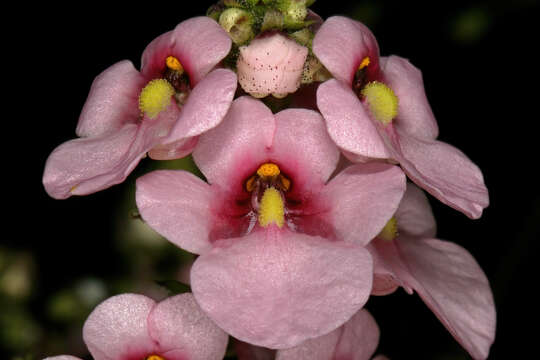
pixel 179 326
pixel 112 101
pixel 415 116
pixel 385 281
pixel 230 152
pixel 177 205
pixel 362 199
pixel 445 172
pixel 198 43
pixel 62 357
pixel 455 288
pixel 414 215
pixel 302 145
pixel 276 289
pixel 341 44
pixel 271 64
pixel 357 339
pixel 117 328
pixel 348 122
pixel 205 108
pixel 86 165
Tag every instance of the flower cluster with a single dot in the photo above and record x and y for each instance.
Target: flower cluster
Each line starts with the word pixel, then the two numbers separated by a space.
pixel 315 152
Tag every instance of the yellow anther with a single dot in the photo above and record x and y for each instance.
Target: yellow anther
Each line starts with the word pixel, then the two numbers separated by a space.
pixel 271 209
pixel 174 64
pixel 365 62
pixel 154 357
pixel 286 183
pixel 382 101
pixel 250 183
pixel 155 97
pixel 390 230
pixel 267 170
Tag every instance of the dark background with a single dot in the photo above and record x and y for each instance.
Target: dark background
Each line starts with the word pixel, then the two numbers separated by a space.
pixel 480 76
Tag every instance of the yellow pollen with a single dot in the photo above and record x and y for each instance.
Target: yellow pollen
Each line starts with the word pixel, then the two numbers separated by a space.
pixel 382 101
pixel 390 230
pixel 365 62
pixel 271 209
pixel 154 357
pixel 174 64
pixel 155 97
pixel 267 170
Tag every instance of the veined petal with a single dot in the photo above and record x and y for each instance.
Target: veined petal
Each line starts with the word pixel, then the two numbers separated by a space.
pixel 198 43
pixel 234 149
pixel 342 43
pixel 348 122
pixel 276 289
pixel 414 215
pixel 302 145
pixel 179 326
pixel 112 101
pixel 205 108
pixel 86 165
pixel 362 199
pixel 445 172
pixel 415 116
pixel 62 357
pixel 455 288
pixel 177 205
pixel 117 328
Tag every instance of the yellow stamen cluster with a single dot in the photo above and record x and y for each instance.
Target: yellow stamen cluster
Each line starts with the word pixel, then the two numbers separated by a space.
pixel 155 97
pixel 154 357
pixel 271 208
pixel 174 64
pixel 390 230
pixel 365 62
pixel 382 101
pixel 268 169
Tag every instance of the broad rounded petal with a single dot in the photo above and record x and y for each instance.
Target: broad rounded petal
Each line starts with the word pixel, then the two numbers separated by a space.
pixel 320 348
pixel 446 173
pixel 385 281
pixel 271 64
pixel 415 116
pixel 117 328
pixel 342 43
pixel 180 327
pixel 177 205
pixel 455 288
pixel 348 122
pixel 62 357
pixel 206 106
pixel 235 148
pixel 86 165
pixel 414 215
pixel 359 339
pixel 112 101
pixel 362 198
pixel 198 43
pixel 301 144
pixel 276 289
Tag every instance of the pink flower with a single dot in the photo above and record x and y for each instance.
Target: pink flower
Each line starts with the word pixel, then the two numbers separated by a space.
pixel 443 274
pixel 282 255
pixel 180 99
pixel 377 109
pixel 271 64
pixel 135 327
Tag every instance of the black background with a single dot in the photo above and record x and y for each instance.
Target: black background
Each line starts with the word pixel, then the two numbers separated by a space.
pixel 482 91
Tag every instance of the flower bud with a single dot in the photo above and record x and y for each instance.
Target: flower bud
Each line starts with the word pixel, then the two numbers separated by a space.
pixel 238 23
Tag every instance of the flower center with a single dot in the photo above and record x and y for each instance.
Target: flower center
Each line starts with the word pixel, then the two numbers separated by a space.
pixel 382 101
pixel 390 230
pixel 154 357
pixel 271 208
pixel 155 97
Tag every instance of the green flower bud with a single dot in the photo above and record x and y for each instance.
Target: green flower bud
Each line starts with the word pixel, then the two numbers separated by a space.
pixel 238 23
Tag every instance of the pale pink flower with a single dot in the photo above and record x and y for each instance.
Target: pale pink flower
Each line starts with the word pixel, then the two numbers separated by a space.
pixel 444 275
pixel 350 52
pixel 135 327
pixel 271 64
pixel 273 284
pixel 113 133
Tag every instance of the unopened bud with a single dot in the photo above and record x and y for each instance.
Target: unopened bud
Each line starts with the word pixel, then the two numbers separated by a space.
pixel 238 23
